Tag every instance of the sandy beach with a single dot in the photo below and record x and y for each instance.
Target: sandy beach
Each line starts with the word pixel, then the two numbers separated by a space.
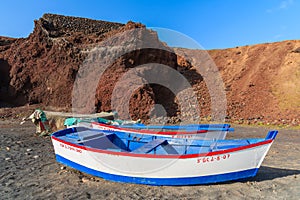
pixel 29 171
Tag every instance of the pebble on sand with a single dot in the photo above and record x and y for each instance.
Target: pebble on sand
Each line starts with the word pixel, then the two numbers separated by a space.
pixel 84 180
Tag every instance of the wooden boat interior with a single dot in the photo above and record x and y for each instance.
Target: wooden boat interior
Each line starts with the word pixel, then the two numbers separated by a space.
pixel 149 144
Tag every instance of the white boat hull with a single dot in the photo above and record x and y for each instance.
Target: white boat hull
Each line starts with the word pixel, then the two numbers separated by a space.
pixel 232 164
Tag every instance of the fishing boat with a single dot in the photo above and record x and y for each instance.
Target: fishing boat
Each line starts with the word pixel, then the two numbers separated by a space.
pixel 194 131
pixel 158 160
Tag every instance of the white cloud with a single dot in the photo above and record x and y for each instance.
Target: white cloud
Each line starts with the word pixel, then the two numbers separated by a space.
pixel 285 4
pixel 278 36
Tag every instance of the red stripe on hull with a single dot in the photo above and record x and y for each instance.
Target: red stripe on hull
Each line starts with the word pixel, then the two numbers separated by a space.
pixel 165 156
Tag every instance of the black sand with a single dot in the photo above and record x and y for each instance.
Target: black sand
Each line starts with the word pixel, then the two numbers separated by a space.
pixel 28 170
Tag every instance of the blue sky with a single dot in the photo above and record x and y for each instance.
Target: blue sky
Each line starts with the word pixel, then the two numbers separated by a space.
pixel 213 24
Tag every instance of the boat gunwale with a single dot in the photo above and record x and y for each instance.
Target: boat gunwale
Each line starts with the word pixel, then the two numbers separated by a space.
pixel 171 156
pixel 172 133
pixel 149 131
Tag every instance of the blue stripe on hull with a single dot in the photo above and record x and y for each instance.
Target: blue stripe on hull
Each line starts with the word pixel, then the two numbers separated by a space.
pixel 161 181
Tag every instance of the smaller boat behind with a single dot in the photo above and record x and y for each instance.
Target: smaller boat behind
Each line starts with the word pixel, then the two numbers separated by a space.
pixel 191 131
pixel 159 160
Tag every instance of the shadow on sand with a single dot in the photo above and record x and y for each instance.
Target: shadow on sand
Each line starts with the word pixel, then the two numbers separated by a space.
pixel 266 173
pixel 269 173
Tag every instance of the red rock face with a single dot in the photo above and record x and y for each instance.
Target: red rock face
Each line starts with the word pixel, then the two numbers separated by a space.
pixel 42 69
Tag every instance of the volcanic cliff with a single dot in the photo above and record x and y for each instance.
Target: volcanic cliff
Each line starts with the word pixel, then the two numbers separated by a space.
pixel 261 82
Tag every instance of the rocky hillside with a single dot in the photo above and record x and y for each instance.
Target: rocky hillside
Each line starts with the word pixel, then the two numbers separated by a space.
pixel 261 81
pixel 42 67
